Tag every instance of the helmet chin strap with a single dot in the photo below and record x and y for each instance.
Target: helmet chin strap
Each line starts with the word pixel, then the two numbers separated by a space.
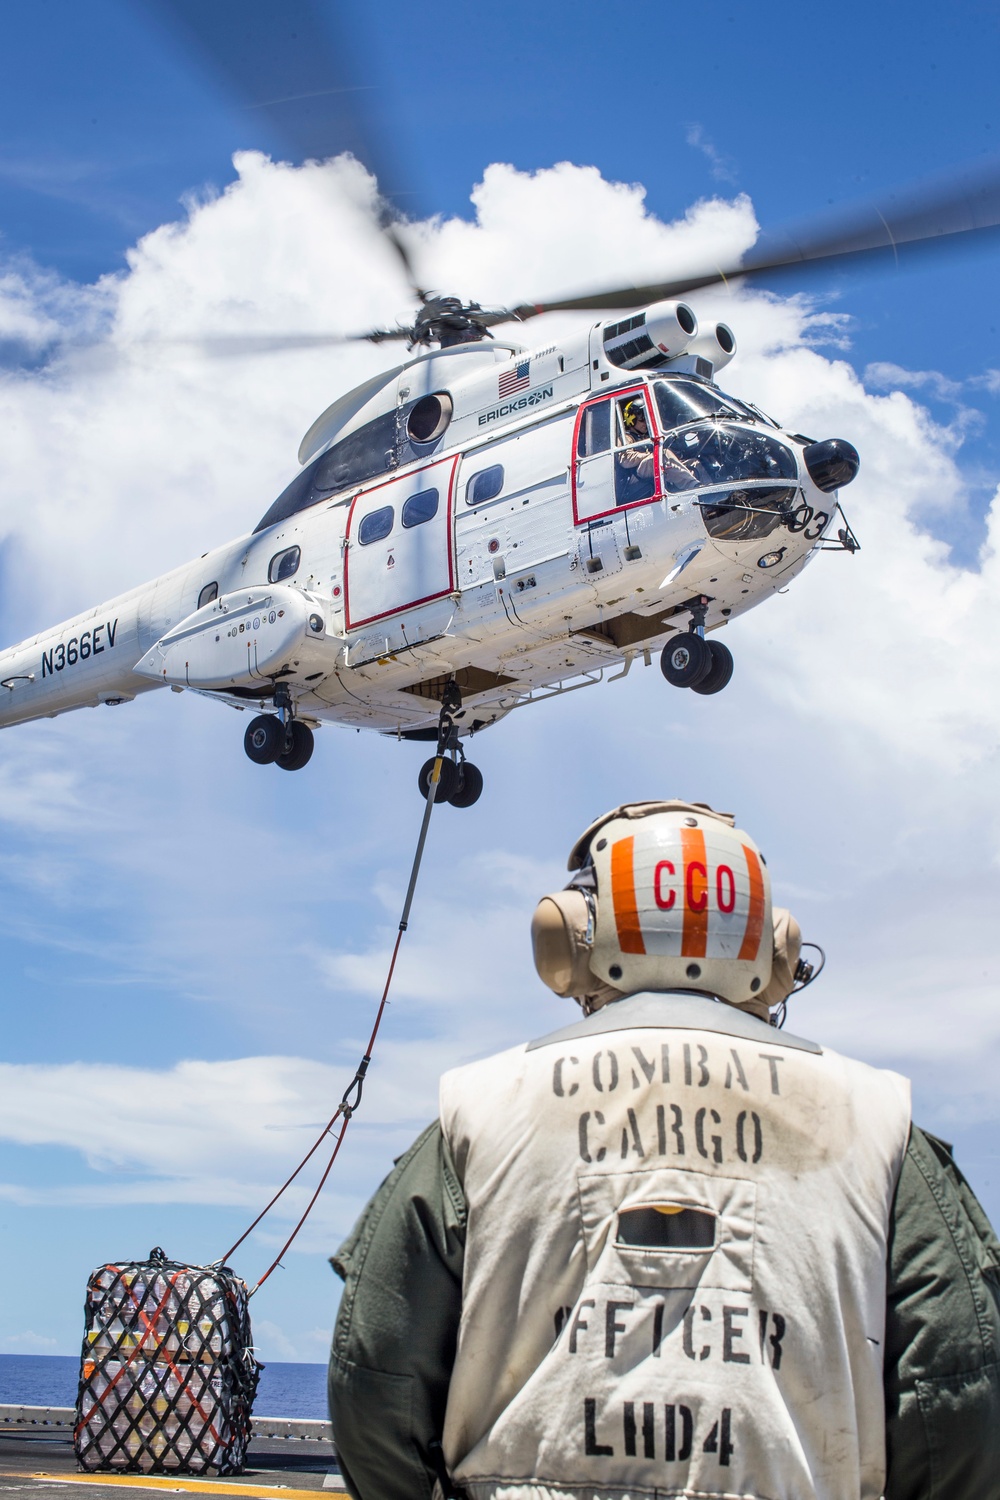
pixel 756 1007
pixel 603 994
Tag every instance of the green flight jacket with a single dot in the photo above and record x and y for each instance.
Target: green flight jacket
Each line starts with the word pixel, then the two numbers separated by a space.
pixel 395 1338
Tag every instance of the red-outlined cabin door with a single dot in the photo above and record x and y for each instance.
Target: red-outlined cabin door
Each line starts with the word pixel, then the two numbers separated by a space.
pixel 400 546
pixel 602 483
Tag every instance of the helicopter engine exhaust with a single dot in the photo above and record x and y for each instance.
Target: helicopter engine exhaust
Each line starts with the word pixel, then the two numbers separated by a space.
pixel 715 342
pixel 650 338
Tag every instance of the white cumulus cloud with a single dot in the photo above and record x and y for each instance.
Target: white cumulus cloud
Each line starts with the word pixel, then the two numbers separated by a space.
pixel 858 740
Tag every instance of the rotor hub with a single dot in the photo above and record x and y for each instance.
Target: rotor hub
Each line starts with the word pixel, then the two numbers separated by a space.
pixel 447 321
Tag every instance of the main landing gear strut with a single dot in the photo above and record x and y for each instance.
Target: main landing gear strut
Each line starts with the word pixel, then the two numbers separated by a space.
pixel 688 660
pixel 278 738
pixel 459 781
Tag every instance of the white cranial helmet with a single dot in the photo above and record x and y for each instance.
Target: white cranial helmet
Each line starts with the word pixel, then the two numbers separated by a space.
pixel 667 896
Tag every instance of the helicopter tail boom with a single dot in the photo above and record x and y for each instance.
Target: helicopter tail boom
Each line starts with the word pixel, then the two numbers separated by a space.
pixel 82 663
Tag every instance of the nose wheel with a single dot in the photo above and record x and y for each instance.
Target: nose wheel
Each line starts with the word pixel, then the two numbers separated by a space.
pixel 719 672
pixel 692 662
pixel 689 661
pixel 686 660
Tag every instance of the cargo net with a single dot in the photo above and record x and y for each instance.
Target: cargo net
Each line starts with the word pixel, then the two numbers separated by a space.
pixel 168 1374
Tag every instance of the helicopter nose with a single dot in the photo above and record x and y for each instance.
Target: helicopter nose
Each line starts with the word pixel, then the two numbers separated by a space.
pixel 832 463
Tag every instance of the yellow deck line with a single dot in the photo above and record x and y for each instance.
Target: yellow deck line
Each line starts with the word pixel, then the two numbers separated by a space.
pixel 183 1482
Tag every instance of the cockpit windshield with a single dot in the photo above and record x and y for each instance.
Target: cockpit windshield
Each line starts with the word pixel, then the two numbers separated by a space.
pixel 681 401
pixel 715 454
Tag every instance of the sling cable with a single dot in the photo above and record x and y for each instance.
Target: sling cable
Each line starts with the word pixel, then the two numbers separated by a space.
pixel 447 740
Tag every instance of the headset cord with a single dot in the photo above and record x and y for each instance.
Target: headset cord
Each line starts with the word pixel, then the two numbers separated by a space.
pixel 450 705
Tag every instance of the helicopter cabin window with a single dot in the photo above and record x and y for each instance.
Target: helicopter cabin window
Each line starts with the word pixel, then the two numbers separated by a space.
pixel 284 564
pixel 713 454
pixel 419 508
pixel 635 458
pixel 486 485
pixel 376 526
pixel 208 593
pixel 595 430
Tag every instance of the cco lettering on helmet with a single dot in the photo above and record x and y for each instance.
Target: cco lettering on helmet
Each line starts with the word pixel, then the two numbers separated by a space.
pixel 690 904
pixel 667 896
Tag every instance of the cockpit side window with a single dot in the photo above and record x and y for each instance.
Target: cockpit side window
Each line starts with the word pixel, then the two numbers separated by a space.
pixel 595 430
pixel 208 593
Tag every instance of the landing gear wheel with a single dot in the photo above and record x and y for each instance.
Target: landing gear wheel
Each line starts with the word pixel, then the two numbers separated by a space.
pixel 447 784
pixel 264 739
pixel 470 785
pixel 686 660
pixel 719 672
pixel 301 748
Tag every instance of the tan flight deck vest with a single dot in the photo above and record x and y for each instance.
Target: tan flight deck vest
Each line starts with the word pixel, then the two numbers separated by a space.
pixel 744 1358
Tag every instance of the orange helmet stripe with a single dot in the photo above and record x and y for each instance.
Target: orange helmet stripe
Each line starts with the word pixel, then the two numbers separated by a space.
pixel 694 938
pixel 623 896
pixel 750 946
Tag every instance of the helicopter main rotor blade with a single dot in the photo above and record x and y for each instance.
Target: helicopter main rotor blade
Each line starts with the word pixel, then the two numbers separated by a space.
pixel 280 59
pixel 925 220
pixel 233 345
pixel 953 213
pixel 236 345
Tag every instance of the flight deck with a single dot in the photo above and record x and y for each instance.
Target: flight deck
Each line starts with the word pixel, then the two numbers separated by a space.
pixel 37 1458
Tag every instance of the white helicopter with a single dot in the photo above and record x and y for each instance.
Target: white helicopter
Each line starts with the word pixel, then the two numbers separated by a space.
pixel 510 520
pixel 489 520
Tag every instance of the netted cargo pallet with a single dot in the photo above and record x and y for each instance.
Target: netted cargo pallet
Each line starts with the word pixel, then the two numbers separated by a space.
pixel 168 1374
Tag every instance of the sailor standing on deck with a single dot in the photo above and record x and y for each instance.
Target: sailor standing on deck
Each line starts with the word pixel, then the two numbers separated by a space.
pixel 670 1249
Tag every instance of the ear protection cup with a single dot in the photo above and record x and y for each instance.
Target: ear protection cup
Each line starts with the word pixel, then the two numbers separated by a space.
pixel 561 939
pixel 787 947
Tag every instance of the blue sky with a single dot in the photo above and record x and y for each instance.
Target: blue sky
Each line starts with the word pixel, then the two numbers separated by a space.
pixel 105 123
pixel 164 905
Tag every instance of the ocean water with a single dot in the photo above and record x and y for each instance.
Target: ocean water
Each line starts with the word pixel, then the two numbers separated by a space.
pixel 285 1390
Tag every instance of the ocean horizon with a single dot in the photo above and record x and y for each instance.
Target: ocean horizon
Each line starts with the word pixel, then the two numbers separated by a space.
pixel 285 1390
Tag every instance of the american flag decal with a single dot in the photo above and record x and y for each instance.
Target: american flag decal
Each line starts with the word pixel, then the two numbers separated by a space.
pixel 516 379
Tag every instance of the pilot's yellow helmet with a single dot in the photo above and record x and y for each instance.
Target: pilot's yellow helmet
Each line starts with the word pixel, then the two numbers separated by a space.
pixel 632 412
pixel 666 896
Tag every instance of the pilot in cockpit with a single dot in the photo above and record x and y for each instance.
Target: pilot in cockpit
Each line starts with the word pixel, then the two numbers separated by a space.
pixel 637 454
pixel 635 462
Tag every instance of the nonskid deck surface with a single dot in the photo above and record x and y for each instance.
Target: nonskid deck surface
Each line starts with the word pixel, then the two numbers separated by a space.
pixel 36 1458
